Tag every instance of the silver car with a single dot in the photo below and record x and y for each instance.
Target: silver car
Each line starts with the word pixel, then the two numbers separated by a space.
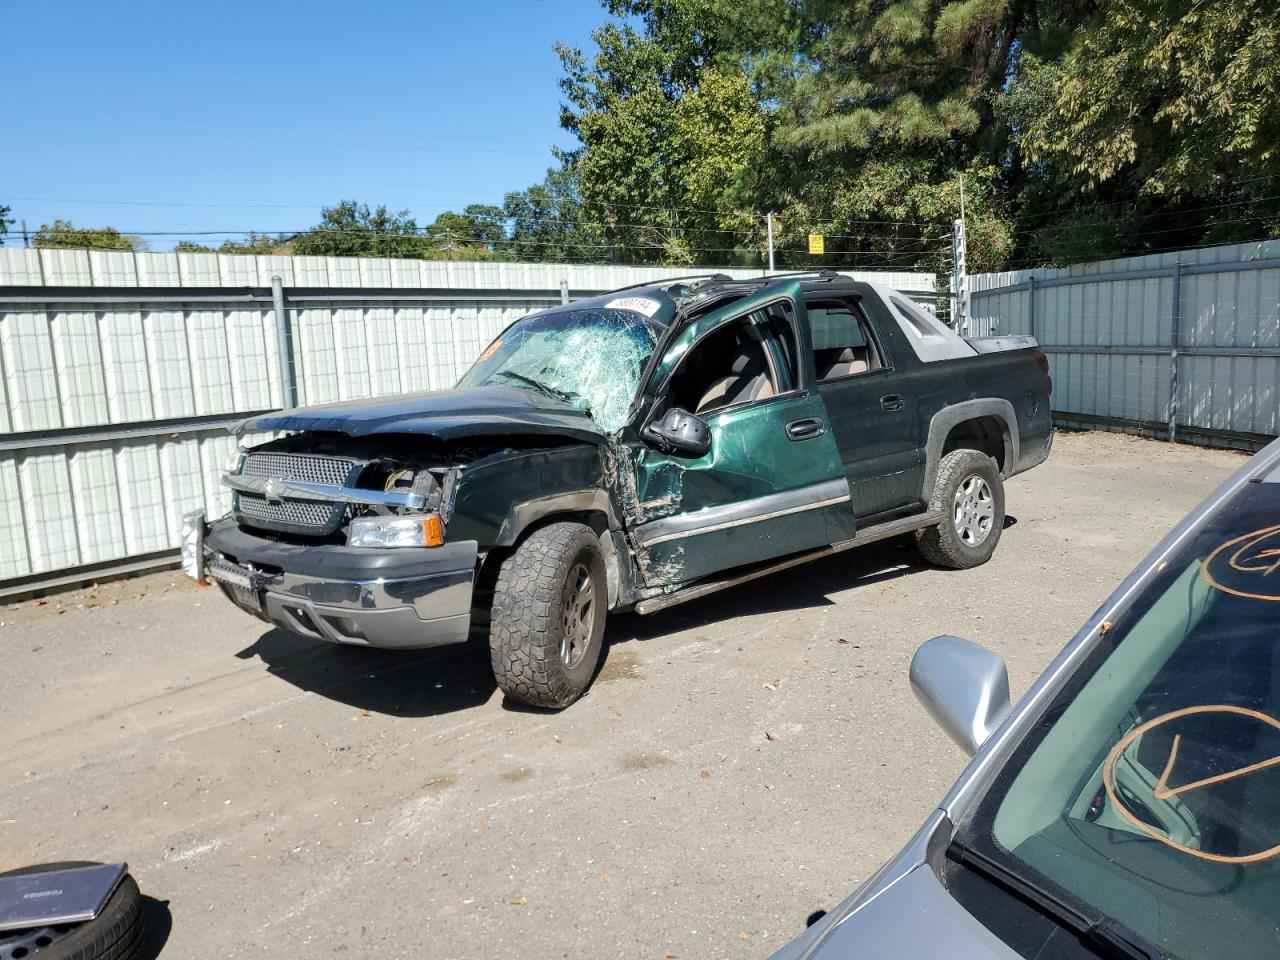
pixel 1129 805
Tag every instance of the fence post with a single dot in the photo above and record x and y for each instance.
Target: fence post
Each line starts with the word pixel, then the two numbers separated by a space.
pixel 284 345
pixel 959 280
pixel 769 225
pixel 1031 305
pixel 564 291
pixel 1175 333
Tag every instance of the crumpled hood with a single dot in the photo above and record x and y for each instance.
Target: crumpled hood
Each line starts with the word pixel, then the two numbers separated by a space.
pixel 444 414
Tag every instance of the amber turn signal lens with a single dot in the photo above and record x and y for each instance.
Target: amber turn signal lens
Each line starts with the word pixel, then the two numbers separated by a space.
pixel 432 530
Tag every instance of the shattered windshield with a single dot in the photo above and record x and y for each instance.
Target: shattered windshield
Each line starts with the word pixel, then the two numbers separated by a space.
pixel 591 359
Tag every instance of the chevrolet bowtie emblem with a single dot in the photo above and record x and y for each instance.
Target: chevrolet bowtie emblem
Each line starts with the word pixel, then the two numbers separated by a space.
pixel 274 490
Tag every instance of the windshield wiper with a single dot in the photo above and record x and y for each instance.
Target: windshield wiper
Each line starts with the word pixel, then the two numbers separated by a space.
pixel 554 392
pixel 1108 937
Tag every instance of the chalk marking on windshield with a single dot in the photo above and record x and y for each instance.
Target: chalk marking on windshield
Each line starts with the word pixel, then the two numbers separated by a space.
pixel 1262 562
pixel 1162 790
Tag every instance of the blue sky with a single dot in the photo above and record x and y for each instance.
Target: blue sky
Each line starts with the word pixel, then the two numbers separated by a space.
pixel 181 116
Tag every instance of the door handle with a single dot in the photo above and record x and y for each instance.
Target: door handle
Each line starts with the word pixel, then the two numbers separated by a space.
pixel 891 402
pixel 804 429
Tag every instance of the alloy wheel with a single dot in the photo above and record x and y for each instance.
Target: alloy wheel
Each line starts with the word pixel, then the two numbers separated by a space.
pixel 974 510
pixel 577 611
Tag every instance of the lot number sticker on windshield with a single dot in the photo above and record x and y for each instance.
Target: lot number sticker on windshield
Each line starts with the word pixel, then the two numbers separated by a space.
pixel 638 304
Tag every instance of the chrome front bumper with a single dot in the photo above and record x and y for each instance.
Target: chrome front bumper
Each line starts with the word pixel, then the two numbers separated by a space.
pixel 399 597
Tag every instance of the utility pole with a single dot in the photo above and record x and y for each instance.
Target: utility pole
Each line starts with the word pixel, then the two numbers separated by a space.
pixel 768 219
pixel 26 240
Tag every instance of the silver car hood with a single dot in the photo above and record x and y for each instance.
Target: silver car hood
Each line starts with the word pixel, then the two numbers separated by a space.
pixel 902 911
pixel 914 917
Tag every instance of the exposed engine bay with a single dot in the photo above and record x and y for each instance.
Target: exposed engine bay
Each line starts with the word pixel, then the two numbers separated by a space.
pixel 309 486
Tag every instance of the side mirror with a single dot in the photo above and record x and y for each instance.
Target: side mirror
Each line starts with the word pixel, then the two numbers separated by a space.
pixel 964 687
pixel 679 431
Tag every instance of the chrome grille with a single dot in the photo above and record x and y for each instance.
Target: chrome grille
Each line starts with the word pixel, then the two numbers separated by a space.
pixel 288 515
pixel 305 468
pixel 305 515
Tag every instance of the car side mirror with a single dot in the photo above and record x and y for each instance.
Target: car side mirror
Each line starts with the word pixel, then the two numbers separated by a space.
pixel 679 431
pixel 964 687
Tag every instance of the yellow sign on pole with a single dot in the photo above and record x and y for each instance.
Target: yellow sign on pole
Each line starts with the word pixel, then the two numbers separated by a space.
pixel 817 243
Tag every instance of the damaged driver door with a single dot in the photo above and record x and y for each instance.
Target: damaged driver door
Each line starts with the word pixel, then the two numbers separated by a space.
pixel 769 482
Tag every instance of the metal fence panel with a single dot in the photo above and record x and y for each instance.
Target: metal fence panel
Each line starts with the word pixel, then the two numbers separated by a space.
pixel 117 387
pixel 1188 340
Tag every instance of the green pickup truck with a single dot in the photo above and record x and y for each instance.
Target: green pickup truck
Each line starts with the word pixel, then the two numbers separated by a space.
pixel 628 452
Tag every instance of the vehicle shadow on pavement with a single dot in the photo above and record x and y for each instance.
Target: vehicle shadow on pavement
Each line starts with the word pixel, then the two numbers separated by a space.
pixel 800 588
pixel 406 683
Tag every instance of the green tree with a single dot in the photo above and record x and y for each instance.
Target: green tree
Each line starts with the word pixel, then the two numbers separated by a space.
pixel 62 234
pixel 254 243
pixel 5 220
pixel 475 234
pixel 1163 118
pixel 710 113
pixel 549 222
pixel 672 136
pixel 352 229
pixel 891 102
pixel 1079 129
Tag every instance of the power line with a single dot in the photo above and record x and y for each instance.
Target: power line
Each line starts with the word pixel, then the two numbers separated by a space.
pixel 247 204
pixel 1068 227
pixel 486 217
pixel 1076 208
pixel 1033 263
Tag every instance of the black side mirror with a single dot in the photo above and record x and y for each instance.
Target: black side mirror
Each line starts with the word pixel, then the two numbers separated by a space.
pixel 679 431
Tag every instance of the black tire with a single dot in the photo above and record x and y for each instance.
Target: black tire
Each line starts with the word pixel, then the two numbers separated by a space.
pixel 115 934
pixel 538 657
pixel 955 542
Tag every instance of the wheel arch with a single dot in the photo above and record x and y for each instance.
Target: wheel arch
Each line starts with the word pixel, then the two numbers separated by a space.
pixel 988 424
pixel 591 508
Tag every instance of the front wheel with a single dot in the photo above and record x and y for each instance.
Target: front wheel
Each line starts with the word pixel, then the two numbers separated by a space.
pixel 546 626
pixel 969 494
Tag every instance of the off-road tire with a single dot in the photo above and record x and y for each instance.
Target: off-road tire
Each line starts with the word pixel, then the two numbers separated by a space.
pixel 115 934
pixel 942 545
pixel 526 620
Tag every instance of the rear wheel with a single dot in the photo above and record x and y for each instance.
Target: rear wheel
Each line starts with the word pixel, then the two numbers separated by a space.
pixel 969 494
pixel 546 626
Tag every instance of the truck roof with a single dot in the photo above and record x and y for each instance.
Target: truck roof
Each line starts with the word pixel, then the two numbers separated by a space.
pixel 661 301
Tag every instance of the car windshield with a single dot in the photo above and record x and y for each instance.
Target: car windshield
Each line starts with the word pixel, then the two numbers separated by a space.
pixel 591 358
pixel 1150 789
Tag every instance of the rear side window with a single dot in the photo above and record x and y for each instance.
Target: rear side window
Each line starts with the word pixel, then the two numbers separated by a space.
pixel 843 345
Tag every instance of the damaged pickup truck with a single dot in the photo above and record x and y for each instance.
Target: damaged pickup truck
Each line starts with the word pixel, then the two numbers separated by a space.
pixel 628 452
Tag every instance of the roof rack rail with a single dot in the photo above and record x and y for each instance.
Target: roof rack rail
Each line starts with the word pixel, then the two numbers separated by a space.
pixel 825 273
pixel 767 279
pixel 664 280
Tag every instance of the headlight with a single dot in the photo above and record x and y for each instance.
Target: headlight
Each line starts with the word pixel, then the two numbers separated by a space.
pixel 234 462
pixel 419 531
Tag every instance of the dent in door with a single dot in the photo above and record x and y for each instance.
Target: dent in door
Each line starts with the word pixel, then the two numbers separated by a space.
pixel 754 495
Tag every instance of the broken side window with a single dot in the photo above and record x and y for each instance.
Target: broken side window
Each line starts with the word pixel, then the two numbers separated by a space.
pixel 728 367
